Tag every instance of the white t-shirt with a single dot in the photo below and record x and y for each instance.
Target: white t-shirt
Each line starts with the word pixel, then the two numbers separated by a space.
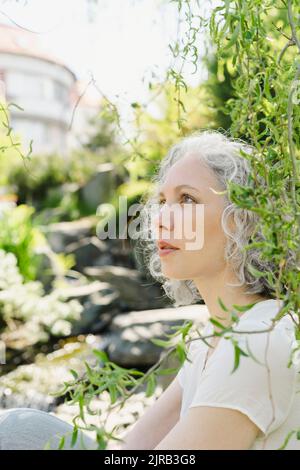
pixel 265 391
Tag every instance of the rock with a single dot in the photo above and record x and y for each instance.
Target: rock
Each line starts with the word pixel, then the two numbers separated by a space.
pixel 100 301
pixel 122 251
pixel 81 292
pixel 92 322
pixel 97 314
pixel 135 293
pixel 100 187
pixel 31 385
pixel 61 234
pixel 130 340
pixel 89 251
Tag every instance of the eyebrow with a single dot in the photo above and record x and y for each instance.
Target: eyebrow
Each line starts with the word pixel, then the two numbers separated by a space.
pixel 179 187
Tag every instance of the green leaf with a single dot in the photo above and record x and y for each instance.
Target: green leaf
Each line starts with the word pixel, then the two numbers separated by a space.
pixel 161 342
pixel 181 352
pixel 181 329
pixel 216 323
pixel 81 407
pixel 74 437
pixel 61 443
pixel 234 316
pixel 243 308
pixel 101 355
pixel 74 373
pixel 255 272
pixel 113 393
pixel 151 384
pixel 182 105
pixel 237 353
pixel 248 35
pixel 234 38
pixel 222 305
pixel 171 370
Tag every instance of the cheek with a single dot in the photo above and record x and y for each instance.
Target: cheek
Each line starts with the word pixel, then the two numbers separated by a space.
pixel 206 231
pixel 195 223
pixel 214 237
pixel 202 224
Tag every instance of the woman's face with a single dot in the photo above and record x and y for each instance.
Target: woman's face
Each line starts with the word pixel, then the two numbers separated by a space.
pixel 190 219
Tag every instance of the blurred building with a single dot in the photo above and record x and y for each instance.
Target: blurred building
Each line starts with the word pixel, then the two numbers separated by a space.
pixel 47 91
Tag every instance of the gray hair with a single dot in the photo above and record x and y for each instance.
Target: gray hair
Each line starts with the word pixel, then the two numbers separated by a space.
pixel 223 156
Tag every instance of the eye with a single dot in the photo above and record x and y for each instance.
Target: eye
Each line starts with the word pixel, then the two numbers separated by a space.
pixel 188 196
pixel 183 196
pixel 161 201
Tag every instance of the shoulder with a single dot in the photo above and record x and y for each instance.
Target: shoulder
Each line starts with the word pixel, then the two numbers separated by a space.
pixel 260 329
pixel 257 335
pixel 250 370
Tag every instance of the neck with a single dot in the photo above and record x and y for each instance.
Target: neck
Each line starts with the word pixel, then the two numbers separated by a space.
pixel 212 288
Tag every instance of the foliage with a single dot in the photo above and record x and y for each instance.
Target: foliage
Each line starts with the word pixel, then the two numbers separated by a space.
pixel 41 172
pixel 25 303
pixel 262 112
pixel 104 135
pixel 51 183
pixel 219 87
pixel 20 237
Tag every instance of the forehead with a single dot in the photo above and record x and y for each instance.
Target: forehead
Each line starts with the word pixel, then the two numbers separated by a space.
pixel 190 169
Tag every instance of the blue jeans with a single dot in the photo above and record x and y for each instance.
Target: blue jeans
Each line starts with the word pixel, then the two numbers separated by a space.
pixel 31 429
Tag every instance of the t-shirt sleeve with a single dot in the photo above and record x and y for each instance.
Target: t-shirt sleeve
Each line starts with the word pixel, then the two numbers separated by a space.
pixel 261 387
pixel 182 371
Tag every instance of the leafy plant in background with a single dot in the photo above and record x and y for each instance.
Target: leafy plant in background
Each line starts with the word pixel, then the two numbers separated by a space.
pixel 51 183
pixel 25 303
pixel 266 65
pixel 43 173
pixel 22 248
pixel 20 237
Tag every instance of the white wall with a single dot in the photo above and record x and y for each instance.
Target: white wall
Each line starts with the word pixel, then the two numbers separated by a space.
pixel 42 89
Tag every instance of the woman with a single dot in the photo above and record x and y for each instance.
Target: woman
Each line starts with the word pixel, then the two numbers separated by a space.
pixel 206 406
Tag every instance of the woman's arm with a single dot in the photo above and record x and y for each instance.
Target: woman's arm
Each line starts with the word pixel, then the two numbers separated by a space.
pixel 211 428
pixel 157 421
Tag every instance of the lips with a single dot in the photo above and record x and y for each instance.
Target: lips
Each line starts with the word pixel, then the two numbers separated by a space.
pixel 163 245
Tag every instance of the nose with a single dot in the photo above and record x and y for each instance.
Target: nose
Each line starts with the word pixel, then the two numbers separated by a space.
pixel 164 220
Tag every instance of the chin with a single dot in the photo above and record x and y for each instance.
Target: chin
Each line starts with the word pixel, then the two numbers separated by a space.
pixel 170 273
pixel 174 274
